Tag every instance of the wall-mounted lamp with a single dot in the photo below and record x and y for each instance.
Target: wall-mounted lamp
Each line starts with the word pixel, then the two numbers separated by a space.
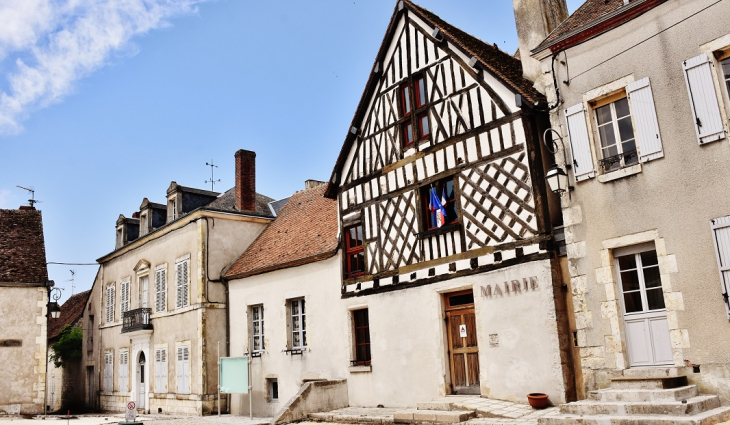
pixel 557 178
pixel 54 311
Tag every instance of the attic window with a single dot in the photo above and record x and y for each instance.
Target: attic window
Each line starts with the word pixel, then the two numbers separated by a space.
pixel 414 97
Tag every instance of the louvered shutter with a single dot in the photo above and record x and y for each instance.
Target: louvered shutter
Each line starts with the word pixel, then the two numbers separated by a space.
pixel 160 290
pixel 110 304
pixel 124 303
pixel 163 370
pixel 178 277
pixel 645 120
pixel 186 283
pixel 580 143
pixel 186 369
pixel 703 99
pixel 721 237
pixel 179 371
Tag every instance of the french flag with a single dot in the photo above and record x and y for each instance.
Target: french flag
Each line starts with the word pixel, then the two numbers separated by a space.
pixel 436 206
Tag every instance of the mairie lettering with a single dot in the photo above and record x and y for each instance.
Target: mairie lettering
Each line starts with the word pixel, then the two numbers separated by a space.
pixel 512 287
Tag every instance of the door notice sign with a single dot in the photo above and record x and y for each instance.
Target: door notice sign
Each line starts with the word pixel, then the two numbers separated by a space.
pixel 462 331
pixel 131 414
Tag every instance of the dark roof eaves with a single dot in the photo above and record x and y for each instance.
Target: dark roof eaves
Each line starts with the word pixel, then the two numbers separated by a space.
pixel 289 264
pixel 592 24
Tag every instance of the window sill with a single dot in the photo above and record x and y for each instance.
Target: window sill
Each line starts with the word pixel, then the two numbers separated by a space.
pixel 620 173
pixel 360 369
pixel 448 228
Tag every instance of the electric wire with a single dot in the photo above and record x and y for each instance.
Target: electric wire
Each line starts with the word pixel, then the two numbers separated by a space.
pixel 648 38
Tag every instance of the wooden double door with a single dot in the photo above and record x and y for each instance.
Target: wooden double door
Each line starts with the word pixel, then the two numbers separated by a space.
pixel 462 342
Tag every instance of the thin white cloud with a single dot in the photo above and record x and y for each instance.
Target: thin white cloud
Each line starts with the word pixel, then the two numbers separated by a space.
pixel 54 43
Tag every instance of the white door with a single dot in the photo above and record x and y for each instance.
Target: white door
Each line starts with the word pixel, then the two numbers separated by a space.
pixel 141 386
pixel 645 316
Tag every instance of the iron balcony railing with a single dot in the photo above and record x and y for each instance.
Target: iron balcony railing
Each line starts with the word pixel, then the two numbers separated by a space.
pixel 136 320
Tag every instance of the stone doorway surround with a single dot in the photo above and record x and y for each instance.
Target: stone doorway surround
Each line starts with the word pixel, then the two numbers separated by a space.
pixel 612 354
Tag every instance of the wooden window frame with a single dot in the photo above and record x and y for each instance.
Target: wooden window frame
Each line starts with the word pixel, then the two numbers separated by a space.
pixel 426 212
pixel 357 343
pixel 354 250
pixel 411 127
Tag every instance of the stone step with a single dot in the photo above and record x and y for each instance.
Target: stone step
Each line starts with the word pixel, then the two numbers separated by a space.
pixel 710 417
pixel 648 383
pixel 671 394
pixel 690 407
pixel 437 405
pixel 653 372
pixel 432 416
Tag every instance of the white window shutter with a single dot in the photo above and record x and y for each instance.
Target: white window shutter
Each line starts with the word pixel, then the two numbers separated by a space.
pixel 580 143
pixel 179 277
pixel 703 99
pixel 179 371
pixel 721 237
pixel 645 120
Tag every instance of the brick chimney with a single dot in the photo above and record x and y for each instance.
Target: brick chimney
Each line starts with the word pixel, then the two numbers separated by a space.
pixel 245 180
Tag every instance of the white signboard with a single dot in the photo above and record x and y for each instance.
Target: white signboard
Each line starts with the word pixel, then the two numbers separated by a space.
pixel 462 331
pixel 131 415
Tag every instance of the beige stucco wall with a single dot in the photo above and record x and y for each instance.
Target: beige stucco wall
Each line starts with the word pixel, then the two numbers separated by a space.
pixel 201 325
pixel 674 197
pixel 407 333
pixel 23 375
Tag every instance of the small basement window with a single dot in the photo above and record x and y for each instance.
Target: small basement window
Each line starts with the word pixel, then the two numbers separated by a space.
pixel 272 389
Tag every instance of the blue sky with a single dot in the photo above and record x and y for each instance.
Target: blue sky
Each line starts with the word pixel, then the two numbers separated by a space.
pixel 104 103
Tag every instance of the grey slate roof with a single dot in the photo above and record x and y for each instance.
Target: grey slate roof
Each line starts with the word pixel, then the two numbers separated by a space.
pixel 227 202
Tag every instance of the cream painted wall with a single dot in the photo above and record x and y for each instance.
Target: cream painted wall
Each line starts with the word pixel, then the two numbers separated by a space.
pixel 23 376
pixel 407 333
pixel 676 196
pixel 201 325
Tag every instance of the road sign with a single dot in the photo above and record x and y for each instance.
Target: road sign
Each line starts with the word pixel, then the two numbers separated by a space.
pixel 131 414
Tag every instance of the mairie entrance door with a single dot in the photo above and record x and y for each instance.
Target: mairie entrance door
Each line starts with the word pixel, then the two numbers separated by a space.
pixel 462 342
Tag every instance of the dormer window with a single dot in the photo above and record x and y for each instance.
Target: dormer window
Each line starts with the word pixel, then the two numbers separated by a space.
pixel 414 97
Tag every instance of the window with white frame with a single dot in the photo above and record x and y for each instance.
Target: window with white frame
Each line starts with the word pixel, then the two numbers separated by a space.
pixel 257 328
pixel 641 285
pixel 110 303
pixel 160 289
pixel 144 286
pixel 124 371
pixel 161 370
pixel 623 125
pixel 124 297
pixel 108 370
pixel 725 64
pixel 297 324
pixel 616 135
pixel 183 283
pixel 183 369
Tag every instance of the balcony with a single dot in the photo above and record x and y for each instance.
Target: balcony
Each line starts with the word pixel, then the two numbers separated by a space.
pixel 136 320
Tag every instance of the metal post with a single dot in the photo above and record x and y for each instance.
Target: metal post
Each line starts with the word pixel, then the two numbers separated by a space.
pixel 219 378
pixel 250 387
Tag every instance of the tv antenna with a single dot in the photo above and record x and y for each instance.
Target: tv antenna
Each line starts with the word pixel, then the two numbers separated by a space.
pixel 212 181
pixel 73 272
pixel 32 201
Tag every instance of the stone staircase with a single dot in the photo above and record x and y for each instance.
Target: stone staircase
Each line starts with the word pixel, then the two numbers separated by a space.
pixel 633 400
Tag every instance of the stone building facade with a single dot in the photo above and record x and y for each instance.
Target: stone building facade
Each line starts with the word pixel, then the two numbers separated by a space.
pixel 639 94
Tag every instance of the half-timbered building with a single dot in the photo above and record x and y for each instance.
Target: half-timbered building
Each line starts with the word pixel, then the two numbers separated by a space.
pixel 447 242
